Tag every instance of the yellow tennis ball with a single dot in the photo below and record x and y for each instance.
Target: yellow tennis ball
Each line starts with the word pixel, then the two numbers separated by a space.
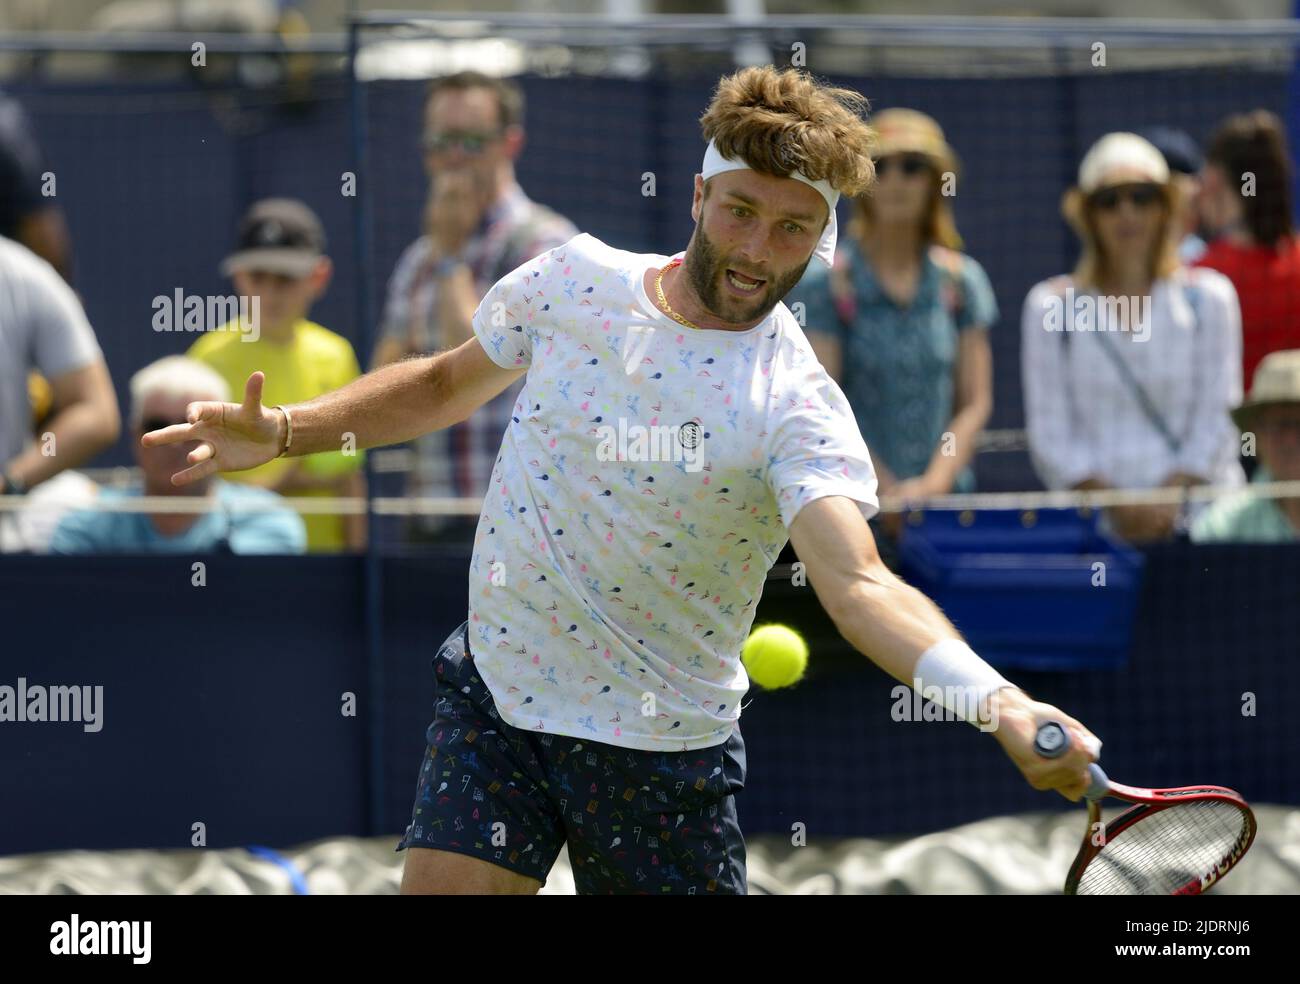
pixel 775 656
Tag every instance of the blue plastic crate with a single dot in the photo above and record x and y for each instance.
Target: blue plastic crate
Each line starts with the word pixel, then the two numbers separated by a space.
pixel 1020 584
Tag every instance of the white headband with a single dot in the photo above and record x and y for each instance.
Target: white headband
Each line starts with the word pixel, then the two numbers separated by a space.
pixel 715 163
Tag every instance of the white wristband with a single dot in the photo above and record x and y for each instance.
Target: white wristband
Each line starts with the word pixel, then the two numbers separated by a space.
pixel 952 674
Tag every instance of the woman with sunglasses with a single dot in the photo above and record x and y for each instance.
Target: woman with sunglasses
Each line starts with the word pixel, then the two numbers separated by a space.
pixel 901 321
pixel 1132 362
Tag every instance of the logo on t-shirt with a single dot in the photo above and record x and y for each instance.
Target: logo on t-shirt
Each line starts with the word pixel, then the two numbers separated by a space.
pixel 688 435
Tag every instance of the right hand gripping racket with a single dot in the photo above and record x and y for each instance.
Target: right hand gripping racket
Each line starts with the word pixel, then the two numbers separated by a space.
pixel 1176 841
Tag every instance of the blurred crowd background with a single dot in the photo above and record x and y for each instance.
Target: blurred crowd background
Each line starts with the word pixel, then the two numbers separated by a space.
pixel 166 160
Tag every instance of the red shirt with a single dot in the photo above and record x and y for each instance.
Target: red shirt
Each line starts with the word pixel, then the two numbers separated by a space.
pixel 1268 289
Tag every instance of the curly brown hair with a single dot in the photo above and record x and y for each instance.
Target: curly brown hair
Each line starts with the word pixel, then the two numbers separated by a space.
pixel 782 120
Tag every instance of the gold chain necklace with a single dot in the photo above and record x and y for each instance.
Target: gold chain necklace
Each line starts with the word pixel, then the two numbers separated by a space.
pixel 663 301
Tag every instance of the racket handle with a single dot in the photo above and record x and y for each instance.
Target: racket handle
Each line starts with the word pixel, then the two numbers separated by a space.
pixel 1052 741
pixel 1100 784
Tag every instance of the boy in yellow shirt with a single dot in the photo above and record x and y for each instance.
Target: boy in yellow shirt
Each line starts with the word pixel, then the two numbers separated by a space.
pixel 279 270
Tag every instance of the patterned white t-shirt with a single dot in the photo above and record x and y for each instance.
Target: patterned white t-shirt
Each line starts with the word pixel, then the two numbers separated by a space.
pixel 642 493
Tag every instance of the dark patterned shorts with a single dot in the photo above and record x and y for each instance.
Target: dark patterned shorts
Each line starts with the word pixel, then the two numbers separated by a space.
pixel 636 822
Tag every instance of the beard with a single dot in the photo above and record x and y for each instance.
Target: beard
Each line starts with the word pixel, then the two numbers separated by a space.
pixel 705 267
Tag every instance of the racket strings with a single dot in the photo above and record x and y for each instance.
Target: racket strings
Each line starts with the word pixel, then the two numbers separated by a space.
pixel 1165 850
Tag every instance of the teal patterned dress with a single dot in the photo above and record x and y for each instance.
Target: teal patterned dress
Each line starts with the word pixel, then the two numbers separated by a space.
pixel 898 363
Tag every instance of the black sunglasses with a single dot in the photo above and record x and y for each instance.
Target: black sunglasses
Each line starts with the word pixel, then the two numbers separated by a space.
pixel 469 142
pixel 1141 195
pixel 910 164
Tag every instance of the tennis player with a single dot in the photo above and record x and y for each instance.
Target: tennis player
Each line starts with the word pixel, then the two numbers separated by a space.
pixel 674 430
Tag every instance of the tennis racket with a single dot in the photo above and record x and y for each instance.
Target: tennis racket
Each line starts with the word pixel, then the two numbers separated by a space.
pixel 1177 841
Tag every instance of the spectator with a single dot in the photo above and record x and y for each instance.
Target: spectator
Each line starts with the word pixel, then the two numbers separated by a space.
pixel 478 226
pixel 901 322
pixel 43 327
pixel 1272 414
pixel 29 529
pixel 27 214
pixel 1185 162
pixel 160 392
pixel 281 261
pixel 1131 363
pixel 1247 206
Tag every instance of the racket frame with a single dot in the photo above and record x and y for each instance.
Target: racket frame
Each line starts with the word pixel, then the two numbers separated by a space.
pixel 1148 802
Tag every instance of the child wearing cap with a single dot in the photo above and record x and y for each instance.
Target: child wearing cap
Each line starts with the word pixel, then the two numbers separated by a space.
pixel 280 263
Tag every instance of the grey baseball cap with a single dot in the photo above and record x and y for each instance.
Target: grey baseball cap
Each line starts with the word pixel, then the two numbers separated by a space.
pixel 277 235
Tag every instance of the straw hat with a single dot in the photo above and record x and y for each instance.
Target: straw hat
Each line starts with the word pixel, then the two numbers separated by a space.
pixel 907 131
pixel 1277 380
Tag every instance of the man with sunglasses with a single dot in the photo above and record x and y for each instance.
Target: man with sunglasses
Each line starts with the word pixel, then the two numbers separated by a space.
pixel 479 225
